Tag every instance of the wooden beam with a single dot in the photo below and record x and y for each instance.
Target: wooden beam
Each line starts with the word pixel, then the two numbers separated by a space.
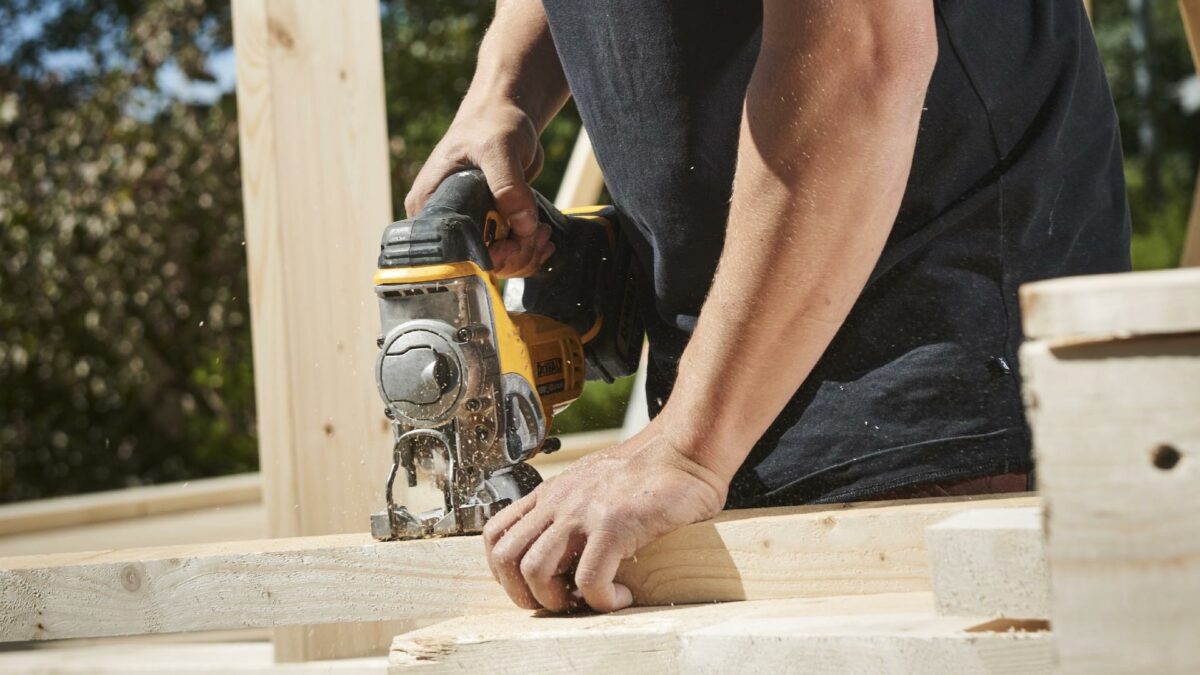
pixel 1191 239
pixel 1117 440
pixel 316 186
pixel 582 182
pixel 1111 306
pixel 871 644
pixel 990 562
pixel 1190 11
pixel 872 633
pixel 215 524
pixel 140 502
pixel 227 658
pixel 742 555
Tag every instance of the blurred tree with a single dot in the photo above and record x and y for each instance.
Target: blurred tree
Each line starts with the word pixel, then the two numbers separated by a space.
pixel 124 343
pixel 1160 134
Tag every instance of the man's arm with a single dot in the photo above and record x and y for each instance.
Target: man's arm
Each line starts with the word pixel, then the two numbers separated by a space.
pixel 827 140
pixel 826 145
pixel 517 89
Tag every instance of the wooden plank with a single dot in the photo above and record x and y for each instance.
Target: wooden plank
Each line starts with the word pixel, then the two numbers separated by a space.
pixel 1191 240
pixel 848 549
pixel 990 562
pixel 742 555
pixel 1190 11
pixel 139 502
pixel 1117 441
pixel 1108 306
pixel 233 658
pixel 870 633
pixel 582 181
pixel 219 523
pixel 317 196
pixel 918 643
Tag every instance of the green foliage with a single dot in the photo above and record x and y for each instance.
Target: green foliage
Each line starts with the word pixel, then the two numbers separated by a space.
pixel 1160 224
pixel 602 406
pixel 124 328
pixel 1160 180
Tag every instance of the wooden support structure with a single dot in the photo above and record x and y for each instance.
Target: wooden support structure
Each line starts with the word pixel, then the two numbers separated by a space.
pixel 317 196
pixel 1115 413
pixel 582 182
pixel 226 658
pixel 742 555
pixel 990 562
pixel 1190 11
pixel 140 502
pixel 895 633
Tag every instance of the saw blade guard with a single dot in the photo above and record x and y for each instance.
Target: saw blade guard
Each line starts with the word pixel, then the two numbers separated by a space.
pixel 470 388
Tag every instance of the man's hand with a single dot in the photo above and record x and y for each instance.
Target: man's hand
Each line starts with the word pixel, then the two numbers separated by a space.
pixel 559 548
pixel 499 138
pixel 518 87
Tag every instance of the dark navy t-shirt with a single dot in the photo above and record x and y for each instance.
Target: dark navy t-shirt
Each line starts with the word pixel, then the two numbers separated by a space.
pixel 1017 176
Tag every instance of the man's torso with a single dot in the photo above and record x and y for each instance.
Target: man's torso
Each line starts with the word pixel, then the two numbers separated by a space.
pixel 1016 176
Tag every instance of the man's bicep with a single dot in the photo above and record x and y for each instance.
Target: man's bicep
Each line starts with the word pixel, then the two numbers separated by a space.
pixel 878 34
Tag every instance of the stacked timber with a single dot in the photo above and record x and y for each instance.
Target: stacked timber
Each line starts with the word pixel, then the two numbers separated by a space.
pixel 1109 555
pixel 1112 371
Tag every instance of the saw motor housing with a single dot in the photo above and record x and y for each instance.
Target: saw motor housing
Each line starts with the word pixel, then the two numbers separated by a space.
pixel 472 386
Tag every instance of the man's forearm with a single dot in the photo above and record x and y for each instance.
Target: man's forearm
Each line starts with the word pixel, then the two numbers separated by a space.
pixel 826 145
pixel 518 62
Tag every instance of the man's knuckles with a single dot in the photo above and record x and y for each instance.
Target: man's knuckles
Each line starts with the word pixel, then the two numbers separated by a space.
pixel 492 533
pixel 537 568
pixel 506 554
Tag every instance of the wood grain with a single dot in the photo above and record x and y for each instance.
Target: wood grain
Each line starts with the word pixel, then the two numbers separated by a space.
pixel 990 562
pixel 1111 306
pixel 869 633
pixel 227 658
pixel 317 196
pixel 744 555
pixel 1116 433
pixel 1190 11
pixel 140 502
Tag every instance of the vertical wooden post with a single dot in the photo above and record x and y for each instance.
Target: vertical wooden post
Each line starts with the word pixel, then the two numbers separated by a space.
pixel 313 141
pixel 582 182
pixel 1112 377
pixel 1190 10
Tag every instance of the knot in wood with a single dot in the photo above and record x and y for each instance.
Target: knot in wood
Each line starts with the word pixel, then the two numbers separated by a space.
pixel 131 578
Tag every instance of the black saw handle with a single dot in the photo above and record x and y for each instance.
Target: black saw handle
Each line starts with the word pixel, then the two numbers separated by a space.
pixel 592 282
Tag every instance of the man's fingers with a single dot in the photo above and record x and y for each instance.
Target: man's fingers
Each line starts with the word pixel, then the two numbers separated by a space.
pixel 501 252
pixel 528 255
pixel 426 182
pixel 514 198
pixel 505 557
pixel 498 525
pixel 596 571
pixel 546 564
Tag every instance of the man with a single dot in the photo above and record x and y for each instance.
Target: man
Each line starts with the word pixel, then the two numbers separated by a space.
pixel 836 201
